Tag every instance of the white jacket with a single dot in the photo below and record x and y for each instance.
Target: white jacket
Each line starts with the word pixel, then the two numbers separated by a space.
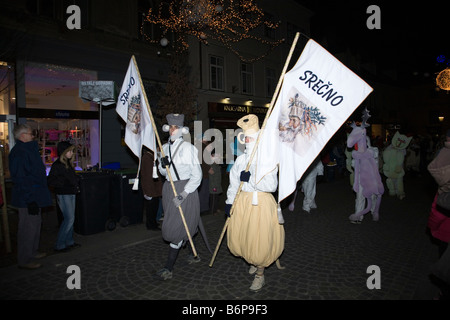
pixel 186 162
pixel 268 183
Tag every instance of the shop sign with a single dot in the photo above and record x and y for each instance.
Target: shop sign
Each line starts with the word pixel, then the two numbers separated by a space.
pixel 236 108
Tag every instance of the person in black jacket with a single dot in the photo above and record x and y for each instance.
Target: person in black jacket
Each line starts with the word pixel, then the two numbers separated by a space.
pixel 63 180
pixel 29 194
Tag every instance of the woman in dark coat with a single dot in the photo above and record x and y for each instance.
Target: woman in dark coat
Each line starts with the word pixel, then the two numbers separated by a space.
pixel 64 181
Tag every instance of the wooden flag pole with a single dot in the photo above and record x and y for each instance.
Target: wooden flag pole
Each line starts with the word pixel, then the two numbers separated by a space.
pixel 163 155
pixel 272 103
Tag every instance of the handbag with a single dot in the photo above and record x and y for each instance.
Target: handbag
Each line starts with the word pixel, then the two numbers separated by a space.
pixel 443 203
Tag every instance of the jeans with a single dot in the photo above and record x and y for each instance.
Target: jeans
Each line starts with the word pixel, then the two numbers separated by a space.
pixel 66 203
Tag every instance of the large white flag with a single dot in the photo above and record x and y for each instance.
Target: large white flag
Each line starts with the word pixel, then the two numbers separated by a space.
pixel 317 96
pixel 132 107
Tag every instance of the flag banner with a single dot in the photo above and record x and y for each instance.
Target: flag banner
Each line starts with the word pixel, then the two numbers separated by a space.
pixel 132 107
pixel 317 96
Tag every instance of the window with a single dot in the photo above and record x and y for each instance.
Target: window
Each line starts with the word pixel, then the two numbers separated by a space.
pixel 149 31
pixel 270 32
pixel 246 78
pixel 216 73
pixel 270 82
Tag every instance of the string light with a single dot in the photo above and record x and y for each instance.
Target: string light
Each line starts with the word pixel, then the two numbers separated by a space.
pixel 443 79
pixel 227 21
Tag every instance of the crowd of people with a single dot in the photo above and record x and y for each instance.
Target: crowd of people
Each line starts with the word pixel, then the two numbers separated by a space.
pixel 179 186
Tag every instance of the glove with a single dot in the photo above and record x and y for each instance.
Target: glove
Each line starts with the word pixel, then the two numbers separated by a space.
pixel 178 200
pixel 33 208
pixel 165 161
pixel 245 176
pixel 227 210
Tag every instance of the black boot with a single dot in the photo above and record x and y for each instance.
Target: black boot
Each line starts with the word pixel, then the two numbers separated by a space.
pixel 166 272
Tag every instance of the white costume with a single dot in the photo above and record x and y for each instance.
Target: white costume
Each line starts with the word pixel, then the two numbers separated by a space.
pixel 254 231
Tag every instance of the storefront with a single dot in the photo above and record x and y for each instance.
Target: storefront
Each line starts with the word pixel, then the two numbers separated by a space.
pixel 51 105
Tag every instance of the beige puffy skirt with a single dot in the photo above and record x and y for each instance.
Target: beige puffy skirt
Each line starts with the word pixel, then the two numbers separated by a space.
pixel 254 232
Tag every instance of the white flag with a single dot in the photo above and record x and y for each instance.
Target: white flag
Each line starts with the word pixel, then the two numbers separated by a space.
pixel 132 107
pixel 317 96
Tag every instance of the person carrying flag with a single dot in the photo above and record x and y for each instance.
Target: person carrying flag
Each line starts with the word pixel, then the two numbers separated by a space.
pixel 184 165
pixel 254 231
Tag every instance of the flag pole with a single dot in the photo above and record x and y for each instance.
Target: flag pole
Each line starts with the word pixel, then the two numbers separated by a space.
pixel 163 155
pixel 269 111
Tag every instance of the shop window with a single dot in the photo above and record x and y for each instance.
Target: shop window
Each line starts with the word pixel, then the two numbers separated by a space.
pixel 82 133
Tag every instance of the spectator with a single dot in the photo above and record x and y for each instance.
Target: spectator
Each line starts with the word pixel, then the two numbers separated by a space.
pixel 29 194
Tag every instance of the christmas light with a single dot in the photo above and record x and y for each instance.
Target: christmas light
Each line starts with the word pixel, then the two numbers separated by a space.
pixel 443 79
pixel 227 21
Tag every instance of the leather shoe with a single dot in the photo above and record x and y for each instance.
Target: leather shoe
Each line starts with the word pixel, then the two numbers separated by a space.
pixel 74 245
pixel 40 255
pixel 30 266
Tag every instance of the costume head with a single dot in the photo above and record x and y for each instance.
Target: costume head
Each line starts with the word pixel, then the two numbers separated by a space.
pixel 400 141
pixel 250 125
pixel 175 119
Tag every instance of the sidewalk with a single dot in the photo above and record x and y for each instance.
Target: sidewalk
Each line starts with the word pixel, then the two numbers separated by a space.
pixel 325 258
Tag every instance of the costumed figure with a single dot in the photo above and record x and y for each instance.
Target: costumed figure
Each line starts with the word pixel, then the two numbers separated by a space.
pixel 182 160
pixel 439 218
pixel 308 185
pixel 360 201
pixel 367 177
pixel 349 164
pixel 394 158
pixel 412 160
pixel 255 230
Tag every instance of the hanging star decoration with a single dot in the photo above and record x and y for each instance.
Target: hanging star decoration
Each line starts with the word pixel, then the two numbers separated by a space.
pixel 227 21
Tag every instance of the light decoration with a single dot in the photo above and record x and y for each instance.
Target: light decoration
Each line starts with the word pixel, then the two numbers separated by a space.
pixel 443 79
pixel 227 21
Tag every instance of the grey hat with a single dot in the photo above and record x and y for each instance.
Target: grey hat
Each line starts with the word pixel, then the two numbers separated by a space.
pixel 175 119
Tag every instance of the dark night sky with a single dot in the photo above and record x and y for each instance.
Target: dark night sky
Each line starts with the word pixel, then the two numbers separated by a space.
pixel 411 37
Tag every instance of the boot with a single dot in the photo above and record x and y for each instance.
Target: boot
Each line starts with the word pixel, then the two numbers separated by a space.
pixel 258 283
pixel 166 272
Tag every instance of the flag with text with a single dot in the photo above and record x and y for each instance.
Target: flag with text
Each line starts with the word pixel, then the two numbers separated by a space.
pixel 132 108
pixel 317 96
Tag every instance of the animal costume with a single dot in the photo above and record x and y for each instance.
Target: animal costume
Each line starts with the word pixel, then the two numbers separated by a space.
pixel 254 232
pixel 367 177
pixel 393 158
